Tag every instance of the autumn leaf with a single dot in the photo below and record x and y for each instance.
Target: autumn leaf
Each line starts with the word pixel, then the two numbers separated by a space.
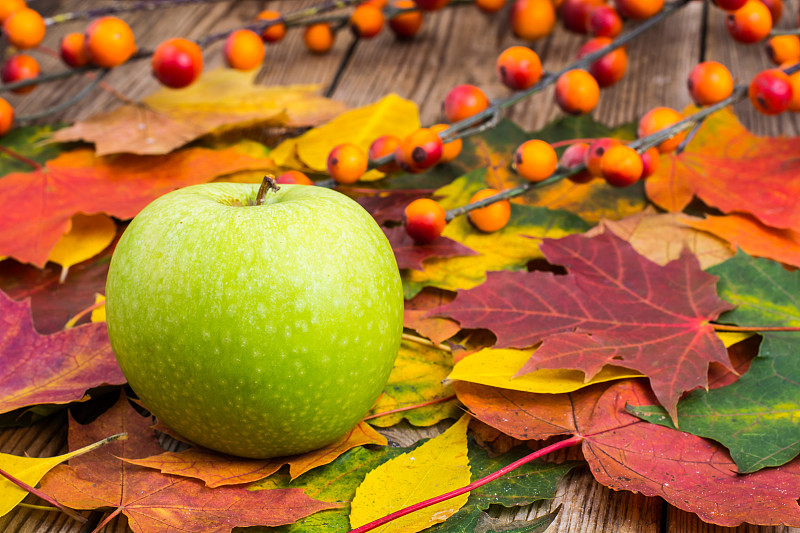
pixel 30 142
pixel 411 255
pixel 52 302
pixel 336 481
pixel 416 378
pixel 753 237
pixel 216 469
pixel 220 100
pixel 30 470
pixel 415 315
pixel 88 236
pixel 36 207
pixel 510 248
pixel 498 368
pixel 756 416
pixel 615 307
pixel 438 466
pixel 626 453
pixel 662 237
pixel 389 115
pixel 155 502
pixel 57 368
pixel 531 482
pixel 733 170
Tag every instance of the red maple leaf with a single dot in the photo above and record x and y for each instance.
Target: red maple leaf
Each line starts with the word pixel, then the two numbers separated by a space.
pixel 411 255
pixel 57 368
pixel 155 502
pixel 614 307
pixel 626 453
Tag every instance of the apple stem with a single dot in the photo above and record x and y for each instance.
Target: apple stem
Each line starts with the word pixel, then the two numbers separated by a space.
pixel 267 184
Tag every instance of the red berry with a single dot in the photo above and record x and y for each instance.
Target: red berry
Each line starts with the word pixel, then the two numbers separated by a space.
pixel 177 62
pixel 621 166
pixel 573 156
pixel 595 153
pixel 383 146
pixel 463 101
pixel 293 177
pixel 604 21
pixel 729 5
pixel 575 14
pixel 519 67
pixel 750 23
pixel 651 158
pixel 610 68
pixel 72 50
pixel 6 116
pixel 425 220
pixel 770 91
pixel 20 67
pixel 419 150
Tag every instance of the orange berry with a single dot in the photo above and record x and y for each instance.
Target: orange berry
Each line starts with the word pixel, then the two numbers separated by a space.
pixel 450 149
pixel 621 166
pixel 577 92
pixel 639 9
pixel 604 21
pixel 367 21
pixel 651 158
pixel 490 6
pixel 109 42
pixel 709 82
pixel 319 37
pixel 750 23
pixel 794 81
pixel 347 163
pixel 770 91
pixel 244 50
pixel 494 216
pixel 9 6
pixel 533 19
pixel 658 119
pixel 595 153
pixel 573 156
pixel 6 116
pixel 177 62
pixel 383 146
pixel 783 48
pixel 275 32
pixel 535 160
pixel 610 68
pixel 463 101
pixel 24 28
pixel 425 220
pixel 72 50
pixel 419 150
pixel 519 67
pixel 20 67
pixel 293 176
pixel 406 24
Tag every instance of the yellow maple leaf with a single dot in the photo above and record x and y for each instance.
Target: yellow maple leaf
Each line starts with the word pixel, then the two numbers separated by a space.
pixel 438 466
pixel 389 115
pixel 88 236
pixel 30 470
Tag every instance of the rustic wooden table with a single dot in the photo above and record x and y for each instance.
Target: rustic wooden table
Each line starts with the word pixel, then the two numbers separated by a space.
pixel 455 46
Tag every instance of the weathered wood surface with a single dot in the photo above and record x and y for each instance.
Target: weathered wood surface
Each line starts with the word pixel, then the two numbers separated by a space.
pixel 455 46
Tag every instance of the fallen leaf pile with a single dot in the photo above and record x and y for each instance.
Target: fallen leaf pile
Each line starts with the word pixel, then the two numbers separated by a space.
pixel 665 343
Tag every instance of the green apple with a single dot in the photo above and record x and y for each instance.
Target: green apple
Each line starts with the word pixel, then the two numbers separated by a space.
pixel 255 330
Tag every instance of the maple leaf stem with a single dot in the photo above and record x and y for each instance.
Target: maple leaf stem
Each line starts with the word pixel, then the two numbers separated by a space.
pixel 107 519
pixel 755 329
pixel 420 340
pixel 72 321
pixel 19 157
pixel 36 492
pixel 474 485
pixel 410 407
